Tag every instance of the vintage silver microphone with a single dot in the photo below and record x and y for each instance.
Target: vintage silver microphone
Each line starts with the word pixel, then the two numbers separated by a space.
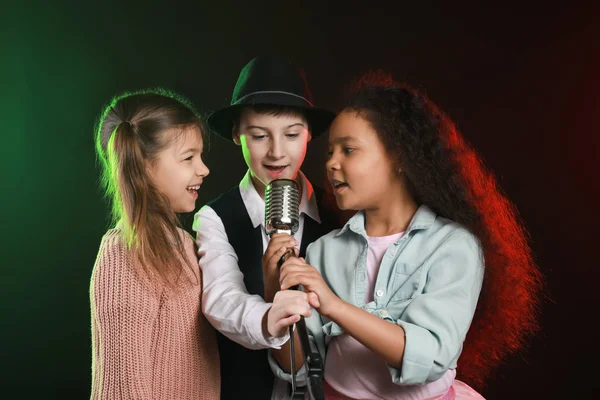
pixel 282 210
pixel 282 215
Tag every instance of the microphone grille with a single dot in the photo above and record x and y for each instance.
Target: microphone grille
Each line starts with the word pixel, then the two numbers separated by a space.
pixel 282 206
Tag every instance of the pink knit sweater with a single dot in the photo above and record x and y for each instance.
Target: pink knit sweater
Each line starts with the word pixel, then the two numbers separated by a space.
pixel 148 341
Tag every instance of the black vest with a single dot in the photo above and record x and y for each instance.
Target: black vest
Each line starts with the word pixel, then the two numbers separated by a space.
pixel 245 374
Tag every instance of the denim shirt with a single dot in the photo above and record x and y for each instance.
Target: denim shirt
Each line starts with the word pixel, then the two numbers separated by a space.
pixel 428 283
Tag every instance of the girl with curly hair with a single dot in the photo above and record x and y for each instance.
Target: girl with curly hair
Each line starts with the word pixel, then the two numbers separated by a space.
pixel 432 275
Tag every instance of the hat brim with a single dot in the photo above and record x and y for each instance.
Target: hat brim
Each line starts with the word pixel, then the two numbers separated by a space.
pixel 221 121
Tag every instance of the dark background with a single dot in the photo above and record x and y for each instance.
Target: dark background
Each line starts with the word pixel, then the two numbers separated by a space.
pixel 521 81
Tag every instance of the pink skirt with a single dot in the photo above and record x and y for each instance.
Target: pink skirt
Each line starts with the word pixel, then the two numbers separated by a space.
pixel 458 391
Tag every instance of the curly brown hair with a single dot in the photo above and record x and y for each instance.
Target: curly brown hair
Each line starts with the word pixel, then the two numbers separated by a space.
pixel 446 174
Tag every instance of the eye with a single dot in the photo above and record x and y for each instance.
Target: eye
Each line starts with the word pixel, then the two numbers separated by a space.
pixel 348 150
pixel 329 154
pixel 292 135
pixel 258 137
pixel 189 158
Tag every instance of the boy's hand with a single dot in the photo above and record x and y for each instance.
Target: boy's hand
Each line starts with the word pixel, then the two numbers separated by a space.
pixel 278 245
pixel 288 306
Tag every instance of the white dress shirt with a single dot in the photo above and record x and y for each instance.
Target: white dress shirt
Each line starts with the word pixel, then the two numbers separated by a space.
pixel 226 302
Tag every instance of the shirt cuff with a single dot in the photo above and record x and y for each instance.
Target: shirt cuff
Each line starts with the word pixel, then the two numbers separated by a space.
pixel 419 352
pixel 254 322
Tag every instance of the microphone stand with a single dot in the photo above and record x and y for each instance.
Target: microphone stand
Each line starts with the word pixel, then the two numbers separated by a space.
pixel 281 215
pixel 312 359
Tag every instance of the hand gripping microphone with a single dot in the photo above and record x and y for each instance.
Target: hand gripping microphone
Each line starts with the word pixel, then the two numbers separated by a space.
pixel 282 215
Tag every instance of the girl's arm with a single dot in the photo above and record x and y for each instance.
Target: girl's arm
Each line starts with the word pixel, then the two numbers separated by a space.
pixel 282 355
pixel 381 337
pixel 384 338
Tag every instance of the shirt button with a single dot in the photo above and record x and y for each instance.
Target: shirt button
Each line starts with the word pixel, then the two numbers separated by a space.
pixel 379 293
pixel 393 252
pixel 361 277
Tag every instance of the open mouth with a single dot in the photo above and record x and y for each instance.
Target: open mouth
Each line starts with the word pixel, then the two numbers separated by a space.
pixel 338 185
pixel 275 171
pixel 275 168
pixel 193 190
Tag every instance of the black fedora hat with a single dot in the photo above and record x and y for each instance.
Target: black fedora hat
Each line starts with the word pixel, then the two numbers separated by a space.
pixel 270 80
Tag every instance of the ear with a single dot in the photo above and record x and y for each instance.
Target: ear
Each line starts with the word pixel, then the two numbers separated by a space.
pixel 308 133
pixel 235 135
pixel 399 169
pixel 150 168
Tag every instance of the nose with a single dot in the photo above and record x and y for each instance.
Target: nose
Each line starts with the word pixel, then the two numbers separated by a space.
pixel 276 150
pixel 332 163
pixel 201 169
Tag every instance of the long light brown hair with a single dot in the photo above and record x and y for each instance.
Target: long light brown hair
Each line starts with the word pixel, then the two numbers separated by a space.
pixel 131 132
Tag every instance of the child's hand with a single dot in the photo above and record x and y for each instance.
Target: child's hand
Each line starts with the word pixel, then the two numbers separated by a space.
pixel 278 244
pixel 288 306
pixel 295 271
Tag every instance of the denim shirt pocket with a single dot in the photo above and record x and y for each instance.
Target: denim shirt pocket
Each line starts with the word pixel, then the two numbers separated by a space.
pixel 406 282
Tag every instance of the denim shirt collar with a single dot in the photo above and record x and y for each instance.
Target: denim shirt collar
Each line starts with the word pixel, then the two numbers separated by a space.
pixel 422 219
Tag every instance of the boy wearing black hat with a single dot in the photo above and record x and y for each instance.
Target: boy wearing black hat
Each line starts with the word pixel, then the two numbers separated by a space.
pixel 272 119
